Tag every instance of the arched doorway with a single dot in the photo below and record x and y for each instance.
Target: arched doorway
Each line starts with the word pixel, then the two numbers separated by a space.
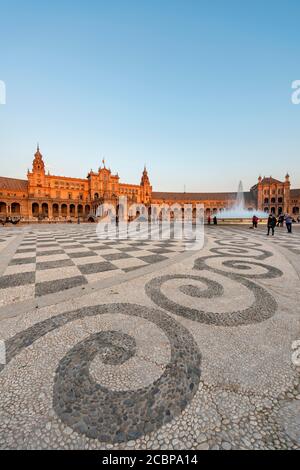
pixel 35 209
pixel 15 208
pixel 2 208
pixel 64 210
pixel 55 210
pixel 80 210
pixel 273 210
pixel 87 210
pixel 72 210
pixel 45 209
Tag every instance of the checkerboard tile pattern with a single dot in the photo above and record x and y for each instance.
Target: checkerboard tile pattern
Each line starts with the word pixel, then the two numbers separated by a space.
pixel 46 262
pixel 6 238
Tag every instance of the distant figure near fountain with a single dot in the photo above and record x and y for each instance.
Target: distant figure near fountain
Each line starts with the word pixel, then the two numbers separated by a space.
pixel 238 212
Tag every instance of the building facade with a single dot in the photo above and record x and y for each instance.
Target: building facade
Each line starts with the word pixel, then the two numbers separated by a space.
pixel 43 196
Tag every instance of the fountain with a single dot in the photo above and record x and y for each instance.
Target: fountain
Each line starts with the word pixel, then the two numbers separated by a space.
pixel 238 212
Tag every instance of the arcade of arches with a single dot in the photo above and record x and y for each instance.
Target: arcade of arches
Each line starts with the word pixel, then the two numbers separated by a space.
pixel 43 196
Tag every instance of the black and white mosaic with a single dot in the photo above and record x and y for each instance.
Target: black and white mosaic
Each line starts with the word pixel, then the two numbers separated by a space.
pixel 263 307
pixel 57 259
pixel 117 416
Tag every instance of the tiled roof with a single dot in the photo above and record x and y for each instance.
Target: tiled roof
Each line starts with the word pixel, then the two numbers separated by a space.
pixel 249 197
pixel 193 196
pixel 13 184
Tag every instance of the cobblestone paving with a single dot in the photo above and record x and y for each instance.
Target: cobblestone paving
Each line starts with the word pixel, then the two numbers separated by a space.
pixel 196 354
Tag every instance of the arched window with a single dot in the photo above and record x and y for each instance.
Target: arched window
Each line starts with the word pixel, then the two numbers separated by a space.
pixel 280 200
pixel 273 200
pixel 266 201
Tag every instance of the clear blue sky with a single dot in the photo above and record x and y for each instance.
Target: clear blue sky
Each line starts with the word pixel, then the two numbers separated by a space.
pixel 200 91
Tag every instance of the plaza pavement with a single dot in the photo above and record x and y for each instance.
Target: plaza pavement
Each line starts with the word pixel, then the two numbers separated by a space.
pixel 143 345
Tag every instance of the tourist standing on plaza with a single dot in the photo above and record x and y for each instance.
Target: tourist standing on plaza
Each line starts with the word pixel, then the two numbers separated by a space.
pixel 254 221
pixel 288 223
pixel 208 220
pixel 280 220
pixel 272 221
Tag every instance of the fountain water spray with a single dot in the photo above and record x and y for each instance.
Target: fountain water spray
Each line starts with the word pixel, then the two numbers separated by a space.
pixel 238 210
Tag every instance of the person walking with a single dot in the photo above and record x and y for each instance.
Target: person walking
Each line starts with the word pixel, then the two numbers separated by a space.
pixel 271 224
pixel 215 220
pixel 280 220
pixel 289 223
pixel 254 221
pixel 208 220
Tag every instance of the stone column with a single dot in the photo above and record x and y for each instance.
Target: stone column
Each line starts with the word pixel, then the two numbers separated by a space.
pixel 50 211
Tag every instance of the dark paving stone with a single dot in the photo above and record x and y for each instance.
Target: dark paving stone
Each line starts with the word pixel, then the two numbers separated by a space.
pixel 47 253
pixel 50 287
pixel 14 280
pixel 16 261
pixel 153 258
pixel 159 250
pixel 26 250
pixel 127 248
pixel 114 256
pixel 139 243
pixel 96 267
pixel 66 245
pixel 61 263
pixel 103 247
pixel 46 245
pixel 133 268
pixel 82 254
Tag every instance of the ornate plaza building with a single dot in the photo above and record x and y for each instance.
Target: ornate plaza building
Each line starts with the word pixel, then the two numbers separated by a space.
pixel 43 196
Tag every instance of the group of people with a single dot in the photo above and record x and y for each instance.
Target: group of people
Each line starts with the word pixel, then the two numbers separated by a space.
pixel 274 222
pixel 215 220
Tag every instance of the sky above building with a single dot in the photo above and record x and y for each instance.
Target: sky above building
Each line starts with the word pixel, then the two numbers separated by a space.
pixel 198 90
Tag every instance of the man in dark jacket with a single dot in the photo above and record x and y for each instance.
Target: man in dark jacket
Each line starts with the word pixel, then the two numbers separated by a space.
pixel 272 221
